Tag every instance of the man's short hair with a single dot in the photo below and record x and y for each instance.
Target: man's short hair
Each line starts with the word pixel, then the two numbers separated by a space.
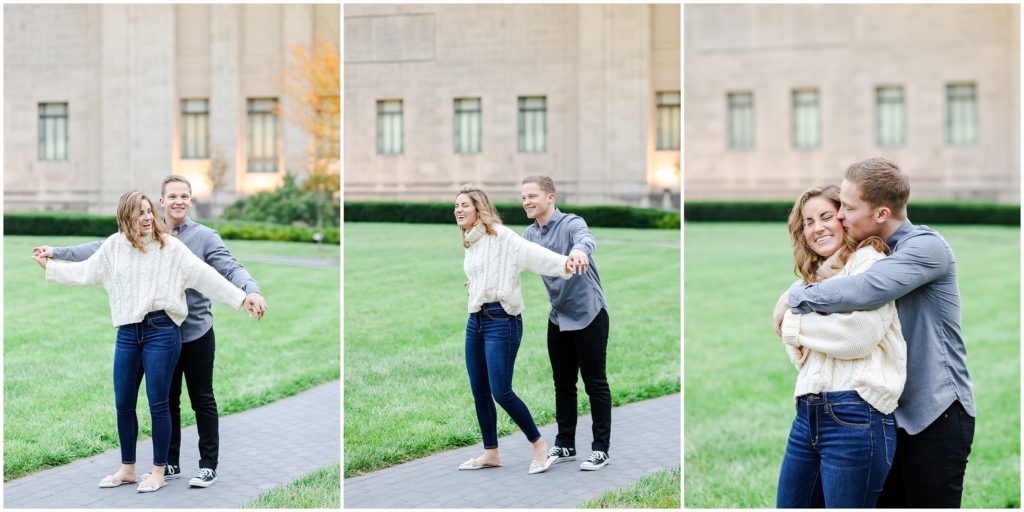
pixel 881 183
pixel 171 179
pixel 545 183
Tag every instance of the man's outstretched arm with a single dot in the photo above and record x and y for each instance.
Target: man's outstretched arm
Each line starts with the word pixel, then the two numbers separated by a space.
pixel 922 259
pixel 583 243
pixel 220 258
pixel 79 252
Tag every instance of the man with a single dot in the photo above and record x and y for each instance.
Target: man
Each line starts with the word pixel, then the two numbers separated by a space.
pixel 936 411
pixel 577 324
pixel 197 350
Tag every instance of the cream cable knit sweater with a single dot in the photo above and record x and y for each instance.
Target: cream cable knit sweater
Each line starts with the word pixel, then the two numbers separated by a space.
pixel 493 264
pixel 862 351
pixel 139 282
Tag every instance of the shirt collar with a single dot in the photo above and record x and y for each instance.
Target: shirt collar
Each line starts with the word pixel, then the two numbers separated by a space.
pixel 555 217
pixel 184 226
pixel 900 232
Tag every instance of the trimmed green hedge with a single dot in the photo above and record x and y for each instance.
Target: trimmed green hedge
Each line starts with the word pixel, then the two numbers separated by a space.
pixel 920 212
pixel 80 224
pixel 511 213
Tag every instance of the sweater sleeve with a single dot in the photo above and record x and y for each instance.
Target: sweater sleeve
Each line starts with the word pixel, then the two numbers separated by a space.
pixel 798 355
pixel 90 272
pixel 205 280
pixel 537 259
pixel 842 335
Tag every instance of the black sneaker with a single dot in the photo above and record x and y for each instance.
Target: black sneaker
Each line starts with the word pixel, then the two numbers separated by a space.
pixel 171 471
pixel 561 454
pixel 204 478
pixel 596 461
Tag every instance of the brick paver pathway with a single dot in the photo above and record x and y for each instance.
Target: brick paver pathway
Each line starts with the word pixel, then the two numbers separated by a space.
pixel 645 439
pixel 259 450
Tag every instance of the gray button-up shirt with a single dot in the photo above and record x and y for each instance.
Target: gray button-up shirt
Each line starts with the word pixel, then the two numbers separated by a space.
pixel 209 247
pixel 921 276
pixel 577 301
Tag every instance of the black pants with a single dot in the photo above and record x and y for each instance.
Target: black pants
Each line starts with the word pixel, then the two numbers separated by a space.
pixel 196 365
pixel 928 469
pixel 581 352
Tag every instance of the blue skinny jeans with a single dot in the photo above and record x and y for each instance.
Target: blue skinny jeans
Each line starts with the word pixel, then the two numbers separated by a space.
pixel 492 342
pixel 839 453
pixel 147 349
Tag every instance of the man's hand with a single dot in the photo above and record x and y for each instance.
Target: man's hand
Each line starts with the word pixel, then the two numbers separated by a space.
pixel 43 250
pixel 255 305
pixel 780 312
pixel 578 261
pixel 41 260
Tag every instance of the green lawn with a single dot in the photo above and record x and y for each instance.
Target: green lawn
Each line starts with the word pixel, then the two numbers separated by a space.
pixel 739 382
pixel 58 351
pixel 660 490
pixel 406 390
pixel 319 489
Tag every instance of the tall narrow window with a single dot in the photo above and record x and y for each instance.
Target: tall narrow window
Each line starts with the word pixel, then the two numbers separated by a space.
pixel 53 131
pixel 741 120
pixel 467 125
pixel 533 124
pixel 806 119
pixel 195 133
pixel 961 114
pixel 389 127
pixel 667 112
pixel 262 134
pixel 890 116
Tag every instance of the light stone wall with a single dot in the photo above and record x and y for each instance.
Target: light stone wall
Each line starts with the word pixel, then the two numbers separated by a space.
pixel 846 51
pixel 122 70
pixel 594 63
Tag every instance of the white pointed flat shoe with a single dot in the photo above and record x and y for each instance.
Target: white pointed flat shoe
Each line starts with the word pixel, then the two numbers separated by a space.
pixel 541 466
pixel 110 481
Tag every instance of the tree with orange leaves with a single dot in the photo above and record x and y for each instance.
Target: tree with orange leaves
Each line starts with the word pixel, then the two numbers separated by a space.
pixel 313 85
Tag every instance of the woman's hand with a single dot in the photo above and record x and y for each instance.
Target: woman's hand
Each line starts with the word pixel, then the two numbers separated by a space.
pixel 570 266
pixel 579 261
pixel 41 260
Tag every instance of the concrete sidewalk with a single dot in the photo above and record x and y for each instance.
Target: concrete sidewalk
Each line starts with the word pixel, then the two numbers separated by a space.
pixel 645 439
pixel 260 449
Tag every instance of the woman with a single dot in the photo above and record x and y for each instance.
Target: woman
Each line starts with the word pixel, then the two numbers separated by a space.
pixel 145 271
pixel 495 256
pixel 852 368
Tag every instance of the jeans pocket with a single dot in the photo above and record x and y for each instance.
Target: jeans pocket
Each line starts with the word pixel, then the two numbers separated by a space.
pixel 889 433
pixel 851 414
pixel 160 322
pixel 497 313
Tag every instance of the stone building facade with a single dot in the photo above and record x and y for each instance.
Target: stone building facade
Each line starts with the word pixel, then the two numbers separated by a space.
pixel 780 98
pixel 100 99
pixel 440 95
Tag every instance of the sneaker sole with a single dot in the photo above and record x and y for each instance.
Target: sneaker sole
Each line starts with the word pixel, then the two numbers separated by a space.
pixel 201 484
pixel 563 459
pixel 592 467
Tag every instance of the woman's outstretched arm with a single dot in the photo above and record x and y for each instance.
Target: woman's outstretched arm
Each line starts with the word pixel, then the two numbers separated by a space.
pixel 539 260
pixel 207 281
pixel 90 272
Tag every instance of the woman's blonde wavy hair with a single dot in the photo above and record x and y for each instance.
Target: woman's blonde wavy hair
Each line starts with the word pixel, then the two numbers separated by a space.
pixel 486 214
pixel 129 207
pixel 805 261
